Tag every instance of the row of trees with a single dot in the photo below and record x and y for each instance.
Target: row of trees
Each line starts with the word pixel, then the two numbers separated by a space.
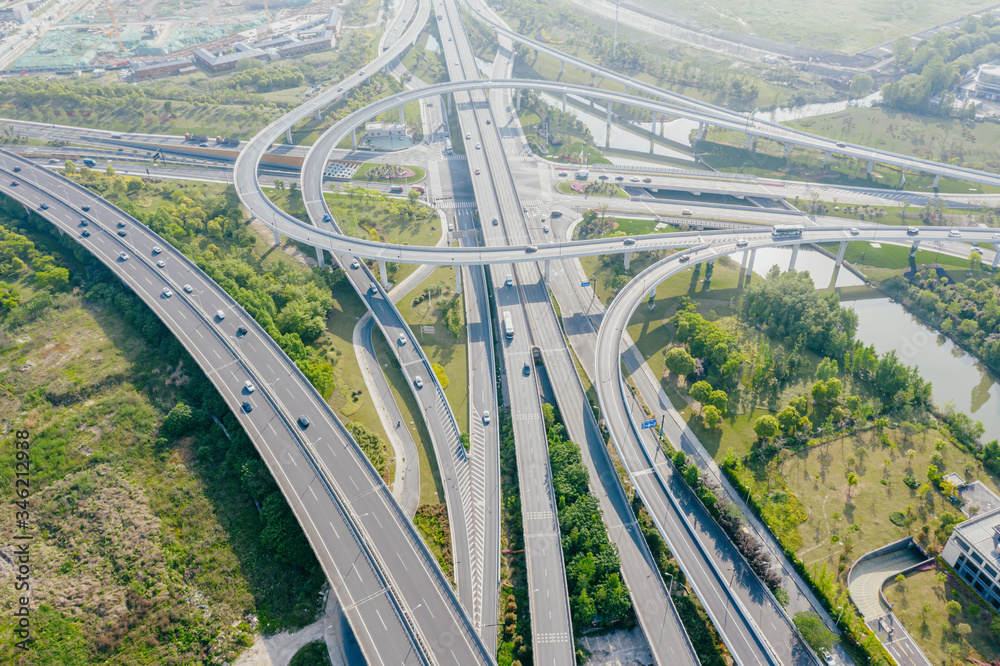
pixel 597 594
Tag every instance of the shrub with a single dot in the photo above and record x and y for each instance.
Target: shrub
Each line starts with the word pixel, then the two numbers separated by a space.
pixel 897 519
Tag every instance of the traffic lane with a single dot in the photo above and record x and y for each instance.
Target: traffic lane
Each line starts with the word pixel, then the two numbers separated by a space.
pixel 148 283
pixel 294 397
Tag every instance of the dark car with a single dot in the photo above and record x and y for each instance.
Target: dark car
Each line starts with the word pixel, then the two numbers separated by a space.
pixel 86 209
pixel 121 224
pixel 327 218
pixel 303 421
pixel 203 145
pixel 44 206
pixel 241 331
pixel 527 369
pixel 14 183
pixel 84 223
pixel 247 407
pixel 121 232
pixel 17 169
pixel 86 232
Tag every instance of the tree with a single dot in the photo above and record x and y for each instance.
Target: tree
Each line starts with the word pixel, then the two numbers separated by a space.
pixel 953 608
pixel 975 260
pixel 862 85
pixel 701 391
pixel 679 361
pixel 110 171
pixel 719 400
pixel 178 420
pixel 766 427
pixel 826 369
pixel 413 196
pixel 690 474
pixel 70 167
pixel 711 416
pixel 814 631
pixel 852 480
pixel 902 51
pixel 788 419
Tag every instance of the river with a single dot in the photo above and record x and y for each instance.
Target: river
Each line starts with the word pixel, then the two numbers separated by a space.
pixel 957 378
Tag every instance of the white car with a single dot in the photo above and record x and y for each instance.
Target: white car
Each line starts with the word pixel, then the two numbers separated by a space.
pixel 545 228
pixel 160 263
pixel 167 293
pixel 486 418
pixel 123 256
pixel 355 265
pixel 418 382
pixel 743 242
pixel 220 315
pixel 402 339
pixel 468 136
pixel 635 179
pixel 510 280
pixel 478 146
pixel 855 231
pixel 188 288
pixel 954 233
pixel 248 386
pixel 372 289
pixel 156 249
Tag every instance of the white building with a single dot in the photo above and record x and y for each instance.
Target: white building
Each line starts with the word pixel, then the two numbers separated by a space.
pixel 385 130
pixel 974 551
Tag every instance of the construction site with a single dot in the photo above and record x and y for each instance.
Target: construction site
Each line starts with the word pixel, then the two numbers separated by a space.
pixel 109 34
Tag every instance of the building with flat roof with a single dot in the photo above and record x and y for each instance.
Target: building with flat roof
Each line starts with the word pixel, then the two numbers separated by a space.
pixel 20 13
pixel 152 69
pixel 385 130
pixel 226 61
pixel 974 551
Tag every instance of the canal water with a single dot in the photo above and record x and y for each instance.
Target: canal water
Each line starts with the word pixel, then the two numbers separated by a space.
pixel 956 378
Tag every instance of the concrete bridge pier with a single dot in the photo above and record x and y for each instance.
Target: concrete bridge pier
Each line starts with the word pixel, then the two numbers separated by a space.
pixel 592 79
pixel 458 279
pixel 937 180
pixel 743 262
pixel 564 102
pixel 753 255
pixel 449 97
pixel 628 260
pixel 840 255
pixel 607 129
pixel 288 135
pixel 788 151
pixel 996 254
pixel 795 256
pixel 518 105
pixel 562 67
pixel 749 139
pixel 319 115
pixel 871 164
pixel 354 138
pixel 546 272
pixel 277 238
pixel 383 274
pixel 826 159
pixel 319 257
pixel 401 117
pixel 701 131
pixel 913 248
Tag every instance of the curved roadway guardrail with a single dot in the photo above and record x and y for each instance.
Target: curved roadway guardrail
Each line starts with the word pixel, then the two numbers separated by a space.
pixel 431 637
pixel 750 126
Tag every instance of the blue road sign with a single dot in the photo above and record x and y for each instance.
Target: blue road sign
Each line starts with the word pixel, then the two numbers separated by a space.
pixel 584 284
pixel 651 423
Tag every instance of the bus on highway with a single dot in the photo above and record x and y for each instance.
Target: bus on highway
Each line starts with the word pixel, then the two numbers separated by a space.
pixel 787 231
pixel 508 325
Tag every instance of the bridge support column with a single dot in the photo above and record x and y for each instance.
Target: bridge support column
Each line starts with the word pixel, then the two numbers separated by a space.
pixel 628 260
pixel 383 274
pixel 701 131
pixel 996 254
pixel 826 159
pixel 749 139
pixel 913 248
pixel 319 257
pixel 937 180
pixel 518 105
pixel 277 238
pixel 871 163
pixel 546 273
pixel 607 129
pixel 319 115
pixel 562 67
pixel 458 279
pixel 354 139
pixel 564 102
pixel 795 256
pixel 288 135
pixel 592 78
pixel 401 117
pixel 449 97
pixel 840 254
pixel 753 255
pixel 788 150
pixel 743 262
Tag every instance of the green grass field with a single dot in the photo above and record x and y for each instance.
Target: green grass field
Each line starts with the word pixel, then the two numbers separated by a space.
pixel 845 27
